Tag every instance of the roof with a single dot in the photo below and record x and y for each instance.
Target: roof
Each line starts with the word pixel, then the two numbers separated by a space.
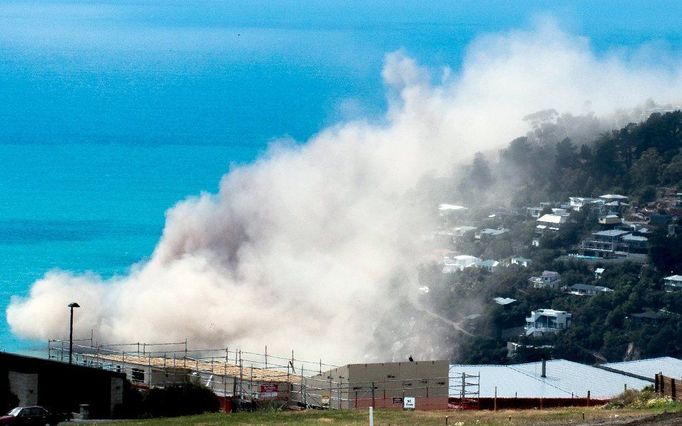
pixel 488 263
pixel 552 218
pixel 564 379
pixel 613 197
pixel 649 315
pixel 611 233
pixel 671 367
pixel 218 368
pixel 677 278
pixel 588 287
pixel 549 312
pixel 489 231
pixel 450 207
pixel 464 228
pixel 504 300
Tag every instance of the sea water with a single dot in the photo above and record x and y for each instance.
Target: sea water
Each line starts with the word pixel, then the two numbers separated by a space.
pixel 93 207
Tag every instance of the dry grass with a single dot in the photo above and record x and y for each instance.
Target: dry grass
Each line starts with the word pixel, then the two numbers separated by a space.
pixel 560 416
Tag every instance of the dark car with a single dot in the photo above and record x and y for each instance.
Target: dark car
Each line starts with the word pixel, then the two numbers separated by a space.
pixel 30 416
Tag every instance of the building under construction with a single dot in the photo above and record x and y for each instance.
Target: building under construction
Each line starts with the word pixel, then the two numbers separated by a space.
pixel 379 385
pixel 248 376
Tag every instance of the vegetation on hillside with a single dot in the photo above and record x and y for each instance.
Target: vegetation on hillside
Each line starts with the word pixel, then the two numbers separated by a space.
pixel 639 161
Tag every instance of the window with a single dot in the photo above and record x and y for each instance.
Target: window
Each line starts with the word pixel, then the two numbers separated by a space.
pixel 137 375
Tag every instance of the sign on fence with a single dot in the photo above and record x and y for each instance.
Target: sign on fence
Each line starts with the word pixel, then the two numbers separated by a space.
pixel 409 403
pixel 269 390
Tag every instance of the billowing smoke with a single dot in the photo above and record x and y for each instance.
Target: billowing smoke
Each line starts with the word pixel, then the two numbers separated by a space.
pixel 310 246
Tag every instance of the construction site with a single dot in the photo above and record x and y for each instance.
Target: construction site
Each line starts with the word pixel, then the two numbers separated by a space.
pixel 241 378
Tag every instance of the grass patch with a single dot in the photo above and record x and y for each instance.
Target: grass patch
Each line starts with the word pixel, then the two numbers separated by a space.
pixel 561 416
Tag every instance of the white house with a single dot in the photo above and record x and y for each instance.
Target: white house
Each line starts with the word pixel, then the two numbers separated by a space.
pixel 459 263
pixel 547 321
pixel 548 279
pixel 613 197
pixel 521 261
pixel 550 222
pixel 588 290
pixel 673 283
pixel 598 272
pixel 577 203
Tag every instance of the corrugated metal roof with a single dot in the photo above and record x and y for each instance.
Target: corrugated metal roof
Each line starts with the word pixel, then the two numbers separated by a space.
pixel 564 380
pixel 671 367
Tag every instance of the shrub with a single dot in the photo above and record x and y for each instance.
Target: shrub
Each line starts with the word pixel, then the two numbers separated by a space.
pixel 180 400
pixel 646 398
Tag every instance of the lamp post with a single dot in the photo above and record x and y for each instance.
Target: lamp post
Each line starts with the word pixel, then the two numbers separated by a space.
pixel 71 306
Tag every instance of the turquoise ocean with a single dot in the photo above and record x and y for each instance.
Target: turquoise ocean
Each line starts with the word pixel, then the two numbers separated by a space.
pixel 112 112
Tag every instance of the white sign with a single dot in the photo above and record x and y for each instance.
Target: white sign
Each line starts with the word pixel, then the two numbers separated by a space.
pixel 409 403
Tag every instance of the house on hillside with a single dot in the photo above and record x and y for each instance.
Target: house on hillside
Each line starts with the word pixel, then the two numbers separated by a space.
pixel 446 209
pixel 578 203
pixel 587 290
pixel 488 234
pixel 614 243
pixel 609 219
pixel 459 263
pixel 463 231
pixel 548 279
pixel 521 261
pixel 535 212
pixel 672 283
pixel 551 222
pixel 543 322
pixel 489 265
pixel 548 223
pixel 613 197
pixel 504 301
pixel 598 272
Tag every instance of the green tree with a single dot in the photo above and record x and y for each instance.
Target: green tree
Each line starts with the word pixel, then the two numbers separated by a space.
pixel 645 170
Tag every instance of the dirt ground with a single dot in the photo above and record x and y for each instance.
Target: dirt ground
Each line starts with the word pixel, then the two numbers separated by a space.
pixel 665 419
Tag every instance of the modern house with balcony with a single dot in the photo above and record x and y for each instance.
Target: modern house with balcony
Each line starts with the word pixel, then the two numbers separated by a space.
pixel 544 322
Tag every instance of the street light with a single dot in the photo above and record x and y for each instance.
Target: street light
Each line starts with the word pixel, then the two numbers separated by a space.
pixel 71 305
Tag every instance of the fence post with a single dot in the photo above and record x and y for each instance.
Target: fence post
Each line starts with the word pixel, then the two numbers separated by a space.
pixel 588 398
pixel 495 400
pixel 373 402
pixel 656 383
pixel 673 389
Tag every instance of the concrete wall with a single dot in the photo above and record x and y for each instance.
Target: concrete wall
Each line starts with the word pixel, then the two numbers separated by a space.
pixel 382 385
pixel 24 386
pixel 62 387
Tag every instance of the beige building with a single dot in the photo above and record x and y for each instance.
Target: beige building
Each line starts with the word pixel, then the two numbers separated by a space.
pixel 380 385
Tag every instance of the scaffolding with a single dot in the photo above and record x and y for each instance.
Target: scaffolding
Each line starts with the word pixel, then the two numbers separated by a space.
pixel 465 390
pixel 227 372
pixel 261 376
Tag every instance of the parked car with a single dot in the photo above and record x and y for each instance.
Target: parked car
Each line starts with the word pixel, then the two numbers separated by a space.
pixel 31 416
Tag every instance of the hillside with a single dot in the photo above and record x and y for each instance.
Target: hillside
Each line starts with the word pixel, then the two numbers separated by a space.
pixel 602 214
